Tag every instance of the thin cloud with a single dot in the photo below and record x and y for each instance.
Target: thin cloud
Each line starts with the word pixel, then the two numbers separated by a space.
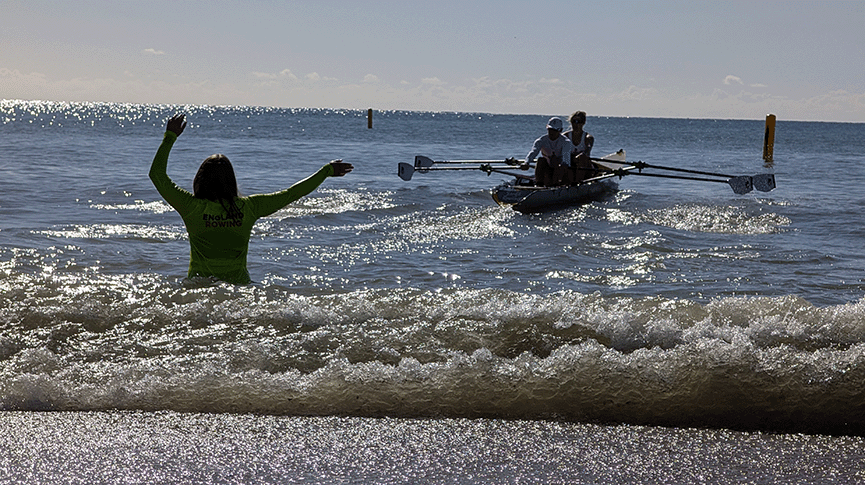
pixel 285 73
pixel 634 93
pixel 729 80
pixel 153 52
pixel 315 77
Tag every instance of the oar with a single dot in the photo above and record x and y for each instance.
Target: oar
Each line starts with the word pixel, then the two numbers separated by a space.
pixel 642 165
pixel 406 170
pixel 421 161
pixel 763 182
pixel 740 184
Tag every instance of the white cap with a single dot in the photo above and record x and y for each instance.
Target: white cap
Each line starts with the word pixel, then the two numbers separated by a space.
pixel 555 123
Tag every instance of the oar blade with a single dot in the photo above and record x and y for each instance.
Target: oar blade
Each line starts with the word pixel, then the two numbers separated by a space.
pixel 741 185
pixel 405 171
pixel 421 161
pixel 764 182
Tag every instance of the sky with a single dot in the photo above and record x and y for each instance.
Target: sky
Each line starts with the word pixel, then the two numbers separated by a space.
pixel 799 60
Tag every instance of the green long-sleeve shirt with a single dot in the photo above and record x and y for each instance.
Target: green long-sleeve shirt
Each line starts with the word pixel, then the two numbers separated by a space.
pixel 218 245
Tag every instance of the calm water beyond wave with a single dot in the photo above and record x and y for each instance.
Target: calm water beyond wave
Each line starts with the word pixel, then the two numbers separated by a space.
pixel 415 332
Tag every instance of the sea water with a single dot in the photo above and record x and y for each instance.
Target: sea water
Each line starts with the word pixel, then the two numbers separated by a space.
pixel 415 332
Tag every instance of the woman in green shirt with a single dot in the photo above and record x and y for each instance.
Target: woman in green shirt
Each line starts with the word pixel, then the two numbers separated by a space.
pixel 219 221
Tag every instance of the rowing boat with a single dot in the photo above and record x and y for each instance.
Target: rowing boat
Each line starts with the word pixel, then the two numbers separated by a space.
pixel 529 198
pixel 522 195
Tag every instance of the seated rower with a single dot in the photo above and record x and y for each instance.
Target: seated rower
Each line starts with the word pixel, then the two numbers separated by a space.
pixel 555 151
pixel 581 164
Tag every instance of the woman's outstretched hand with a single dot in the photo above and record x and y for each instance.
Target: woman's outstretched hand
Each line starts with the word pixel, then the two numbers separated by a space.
pixel 176 124
pixel 340 168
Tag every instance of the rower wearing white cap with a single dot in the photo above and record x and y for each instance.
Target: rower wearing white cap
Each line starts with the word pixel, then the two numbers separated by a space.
pixel 555 151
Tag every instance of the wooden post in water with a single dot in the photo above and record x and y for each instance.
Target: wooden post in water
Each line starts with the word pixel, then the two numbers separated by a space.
pixel 369 118
pixel 769 138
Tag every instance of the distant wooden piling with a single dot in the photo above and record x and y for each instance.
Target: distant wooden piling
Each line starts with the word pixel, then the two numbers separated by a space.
pixel 369 118
pixel 769 138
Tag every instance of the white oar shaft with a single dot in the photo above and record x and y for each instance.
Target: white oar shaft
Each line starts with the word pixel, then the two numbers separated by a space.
pixel 405 170
pixel 421 161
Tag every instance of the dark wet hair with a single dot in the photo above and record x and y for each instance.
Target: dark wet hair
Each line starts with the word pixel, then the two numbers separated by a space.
pixel 215 181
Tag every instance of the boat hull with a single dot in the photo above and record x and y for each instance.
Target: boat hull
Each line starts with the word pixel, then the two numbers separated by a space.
pixel 537 199
pixel 526 198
